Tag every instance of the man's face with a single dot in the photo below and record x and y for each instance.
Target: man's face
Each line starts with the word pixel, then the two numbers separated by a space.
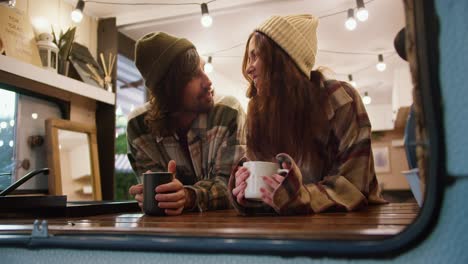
pixel 198 95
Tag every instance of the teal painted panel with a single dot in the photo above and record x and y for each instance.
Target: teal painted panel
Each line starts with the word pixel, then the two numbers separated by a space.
pixel 454 80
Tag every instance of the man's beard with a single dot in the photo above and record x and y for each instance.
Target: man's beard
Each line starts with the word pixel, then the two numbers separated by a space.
pixel 202 105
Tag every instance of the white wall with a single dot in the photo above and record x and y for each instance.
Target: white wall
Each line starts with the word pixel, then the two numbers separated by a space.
pixel 57 13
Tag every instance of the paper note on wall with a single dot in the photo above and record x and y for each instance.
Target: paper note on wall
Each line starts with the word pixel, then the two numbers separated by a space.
pixel 17 36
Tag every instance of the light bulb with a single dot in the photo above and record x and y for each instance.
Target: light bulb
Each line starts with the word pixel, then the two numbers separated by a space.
pixel 381 66
pixel 351 81
pixel 206 20
pixel 3 125
pixel 76 16
pixel 366 99
pixel 12 123
pixel 77 13
pixel 350 23
pixel 12 3
pixel 34 115
pixel 11 143
pixel 362 13
pixel 1 143
pixel 209 66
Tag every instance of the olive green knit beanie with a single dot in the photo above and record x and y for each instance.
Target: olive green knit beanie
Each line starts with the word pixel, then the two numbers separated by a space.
pixel 154 54
pixel 296 35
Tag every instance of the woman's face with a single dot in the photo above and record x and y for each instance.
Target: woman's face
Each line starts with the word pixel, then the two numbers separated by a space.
pixel 255 66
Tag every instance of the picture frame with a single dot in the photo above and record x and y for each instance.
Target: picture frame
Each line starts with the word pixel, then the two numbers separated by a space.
pixel 85 66
pixel 381 159
pixel 72 156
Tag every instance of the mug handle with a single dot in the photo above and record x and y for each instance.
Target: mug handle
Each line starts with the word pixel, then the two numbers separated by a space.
pixel 283 172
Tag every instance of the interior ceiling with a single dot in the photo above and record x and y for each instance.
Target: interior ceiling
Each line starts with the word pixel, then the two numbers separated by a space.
pixel 343 52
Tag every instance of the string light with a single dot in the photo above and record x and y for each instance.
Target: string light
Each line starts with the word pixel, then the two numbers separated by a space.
pixel 362 13
pixel 381 66
pixel 11 3
pixel 366 99
pixel 350 78
pixel 77 13
pixel 351 23
pixel 206 20
pixel 209 66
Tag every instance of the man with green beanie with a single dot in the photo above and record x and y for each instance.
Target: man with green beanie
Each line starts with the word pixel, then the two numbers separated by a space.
pixel 181 129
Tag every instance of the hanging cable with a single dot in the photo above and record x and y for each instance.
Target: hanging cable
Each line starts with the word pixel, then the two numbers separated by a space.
pixel 77 13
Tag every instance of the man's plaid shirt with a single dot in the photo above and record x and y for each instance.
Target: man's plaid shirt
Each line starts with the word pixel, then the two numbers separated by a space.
pixel 216 141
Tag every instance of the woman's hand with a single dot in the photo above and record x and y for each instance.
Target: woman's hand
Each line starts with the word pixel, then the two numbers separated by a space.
pixel 272 183
pixel 239 191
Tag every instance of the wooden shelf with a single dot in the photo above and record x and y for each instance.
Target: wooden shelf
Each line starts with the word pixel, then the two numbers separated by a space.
pixel 34 73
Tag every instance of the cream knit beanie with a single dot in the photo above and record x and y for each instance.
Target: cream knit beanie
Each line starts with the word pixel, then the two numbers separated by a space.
pixel 297 35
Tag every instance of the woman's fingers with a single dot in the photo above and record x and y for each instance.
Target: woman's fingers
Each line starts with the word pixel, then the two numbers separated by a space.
pixel 278 178
pixel 239 188
pixel 271 182
pixel 267 196
pixel 240 197
pixel 241 175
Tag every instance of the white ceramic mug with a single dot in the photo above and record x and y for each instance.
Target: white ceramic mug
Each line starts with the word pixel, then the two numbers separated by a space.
pixel 257 170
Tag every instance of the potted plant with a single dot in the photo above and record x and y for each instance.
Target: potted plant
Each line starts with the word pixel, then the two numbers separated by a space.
pixel 64 42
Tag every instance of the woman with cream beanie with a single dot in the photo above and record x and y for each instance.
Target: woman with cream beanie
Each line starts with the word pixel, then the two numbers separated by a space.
pixel 316 128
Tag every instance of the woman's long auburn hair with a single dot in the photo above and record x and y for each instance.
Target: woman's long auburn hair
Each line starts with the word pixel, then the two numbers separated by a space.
pixel 289 115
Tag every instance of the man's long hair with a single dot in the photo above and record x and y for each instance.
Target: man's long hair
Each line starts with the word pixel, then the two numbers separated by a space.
pixel 288 116
pixel 166 96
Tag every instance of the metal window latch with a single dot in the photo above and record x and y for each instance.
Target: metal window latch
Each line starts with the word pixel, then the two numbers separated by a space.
pixel 40 230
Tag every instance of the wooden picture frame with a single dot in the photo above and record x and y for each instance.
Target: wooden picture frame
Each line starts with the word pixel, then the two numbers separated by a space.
pixel 71 173
pixel 381 159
